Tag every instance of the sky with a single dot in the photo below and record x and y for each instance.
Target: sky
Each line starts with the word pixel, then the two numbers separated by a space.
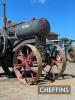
pixel 59 13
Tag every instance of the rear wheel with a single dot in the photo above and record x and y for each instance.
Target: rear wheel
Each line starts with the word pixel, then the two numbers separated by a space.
pixel 8 71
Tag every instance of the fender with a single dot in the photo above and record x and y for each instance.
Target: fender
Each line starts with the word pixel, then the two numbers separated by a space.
pixel 31 41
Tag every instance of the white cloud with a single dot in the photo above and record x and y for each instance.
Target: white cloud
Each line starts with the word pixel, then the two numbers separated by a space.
pixel 42 1
pixel 38 1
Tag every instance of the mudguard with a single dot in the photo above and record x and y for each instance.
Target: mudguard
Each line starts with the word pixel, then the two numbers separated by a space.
pixel 22 43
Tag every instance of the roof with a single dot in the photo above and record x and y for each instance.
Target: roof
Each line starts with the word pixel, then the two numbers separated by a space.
pixel 52 33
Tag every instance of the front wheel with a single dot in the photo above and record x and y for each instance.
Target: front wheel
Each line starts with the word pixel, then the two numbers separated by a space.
pixel 27 64
pixel 57 62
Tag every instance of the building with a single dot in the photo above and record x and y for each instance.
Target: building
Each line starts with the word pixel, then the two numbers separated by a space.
pixel 52 36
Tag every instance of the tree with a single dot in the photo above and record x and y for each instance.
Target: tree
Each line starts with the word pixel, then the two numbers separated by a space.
pixel 66 41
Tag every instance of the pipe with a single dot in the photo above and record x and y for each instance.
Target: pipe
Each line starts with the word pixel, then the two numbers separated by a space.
pixel 4 13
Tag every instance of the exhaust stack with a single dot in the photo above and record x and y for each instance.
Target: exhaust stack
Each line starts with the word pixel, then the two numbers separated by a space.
pixel 4 13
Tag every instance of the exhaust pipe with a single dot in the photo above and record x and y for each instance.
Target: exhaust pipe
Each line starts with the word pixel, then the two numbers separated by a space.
pixel 4 13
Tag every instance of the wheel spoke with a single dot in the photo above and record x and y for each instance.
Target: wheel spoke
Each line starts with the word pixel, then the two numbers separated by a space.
pixel 53 74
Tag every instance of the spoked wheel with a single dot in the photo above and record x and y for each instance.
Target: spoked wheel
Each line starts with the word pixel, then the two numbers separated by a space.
pixel 27 64
pixel 57 63
pixel 71 54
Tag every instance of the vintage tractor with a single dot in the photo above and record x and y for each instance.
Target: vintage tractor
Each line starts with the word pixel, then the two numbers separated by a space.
pixel 23 48
pixel 68 48
pixel 23 51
